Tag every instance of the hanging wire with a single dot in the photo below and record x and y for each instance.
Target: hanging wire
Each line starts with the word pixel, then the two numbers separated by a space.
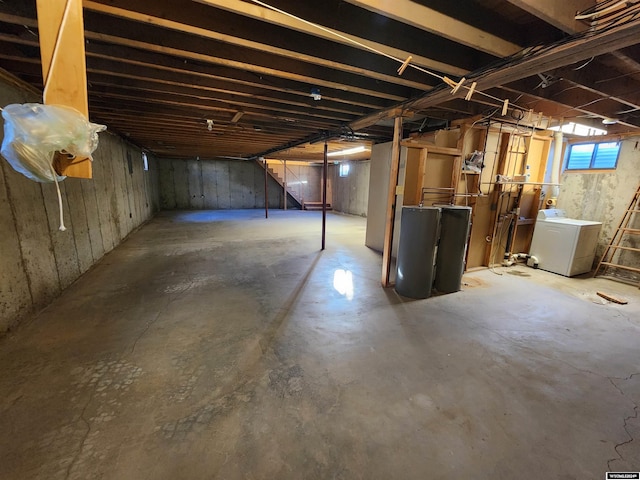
pixel 619 18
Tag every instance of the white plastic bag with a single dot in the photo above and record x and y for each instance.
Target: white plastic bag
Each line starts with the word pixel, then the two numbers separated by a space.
pixel 34 132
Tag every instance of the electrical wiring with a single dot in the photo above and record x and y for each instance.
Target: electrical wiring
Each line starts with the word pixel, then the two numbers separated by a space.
pixel 584 64
pixel 617 18
pixel 599 10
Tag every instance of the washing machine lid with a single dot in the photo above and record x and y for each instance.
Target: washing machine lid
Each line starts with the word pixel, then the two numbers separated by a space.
pixel 550 213
pixel 572 221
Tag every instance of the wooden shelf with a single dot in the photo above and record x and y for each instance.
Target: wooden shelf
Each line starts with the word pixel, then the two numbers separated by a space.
pixel 526 221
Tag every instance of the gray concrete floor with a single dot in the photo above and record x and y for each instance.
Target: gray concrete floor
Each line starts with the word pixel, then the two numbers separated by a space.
pixel 216 345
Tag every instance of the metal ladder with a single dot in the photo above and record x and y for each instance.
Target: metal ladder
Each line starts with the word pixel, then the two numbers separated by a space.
pixel 625 229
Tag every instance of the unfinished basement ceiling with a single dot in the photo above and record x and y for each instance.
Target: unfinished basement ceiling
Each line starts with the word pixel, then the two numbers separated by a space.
pixel 158 70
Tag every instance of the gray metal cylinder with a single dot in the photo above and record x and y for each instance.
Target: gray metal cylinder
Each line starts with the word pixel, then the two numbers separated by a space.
pixel 455 223
pixel 416 251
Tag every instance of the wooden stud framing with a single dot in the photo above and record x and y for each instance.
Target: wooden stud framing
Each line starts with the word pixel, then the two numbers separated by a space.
pixel 61 32
pixel 391 203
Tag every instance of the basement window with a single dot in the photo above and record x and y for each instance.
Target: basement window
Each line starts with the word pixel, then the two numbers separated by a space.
pixel 145 161
pixel 344 169
pixel 593 156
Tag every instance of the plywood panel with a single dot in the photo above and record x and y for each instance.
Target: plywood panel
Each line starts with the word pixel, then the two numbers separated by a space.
pixel 481 227
pixel 412 182
pixel 438 171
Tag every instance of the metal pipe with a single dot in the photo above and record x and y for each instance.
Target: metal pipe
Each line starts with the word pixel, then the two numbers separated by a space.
pixel 325 168
pixel 266 189
pixel 284 184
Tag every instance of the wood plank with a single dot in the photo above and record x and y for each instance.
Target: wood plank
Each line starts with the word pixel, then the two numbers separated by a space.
pixel 61 33
pixel 432 21
pixel 129 14
pixel 611 298
pixel 276 18
pixel 559 14
pixel 495 197
pixel 256 69
pixel 422 167
pixel 432 147
pixel 601 41
pixel 391 203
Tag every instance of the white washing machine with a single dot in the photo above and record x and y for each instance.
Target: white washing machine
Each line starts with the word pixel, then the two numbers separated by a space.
pixel 564 245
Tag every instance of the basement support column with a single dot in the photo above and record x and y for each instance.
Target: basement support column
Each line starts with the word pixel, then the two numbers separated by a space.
pixel 325 167
pixel 284 184
pixel 266 189
pixel 391 202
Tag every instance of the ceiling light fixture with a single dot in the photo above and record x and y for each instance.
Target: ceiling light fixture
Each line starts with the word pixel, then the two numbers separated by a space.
pixel 609 121
pixel 315 94
pixel 573 128
pixel 348 151
pixel 209 124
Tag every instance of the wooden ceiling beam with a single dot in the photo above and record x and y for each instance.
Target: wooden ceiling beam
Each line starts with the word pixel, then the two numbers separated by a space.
pixel 432 21
pixel 321 77
pixel 571 95
pixel 120 59
pixel 107 78
pixel 560 14
pixel 123 59
pixel 327 81
pixel 597 78
pixel 572 51
pixel 232 101
pixel 279 19
pixel 143 12
pixel 206 110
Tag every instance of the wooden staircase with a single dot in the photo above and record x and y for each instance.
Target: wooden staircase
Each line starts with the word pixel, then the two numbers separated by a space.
pixel 298 202
pixel 622 240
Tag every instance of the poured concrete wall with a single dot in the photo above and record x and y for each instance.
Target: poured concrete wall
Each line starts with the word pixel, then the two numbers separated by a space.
pixel 37 261
pixel 215 184
pixel 604 197
pixel 351 193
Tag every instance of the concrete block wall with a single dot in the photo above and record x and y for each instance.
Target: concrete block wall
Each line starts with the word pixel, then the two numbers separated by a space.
pixel 351 193
pixel 37 261
pixel 604 196
pixel 215 184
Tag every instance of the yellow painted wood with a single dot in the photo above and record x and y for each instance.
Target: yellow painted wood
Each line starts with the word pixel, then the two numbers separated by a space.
pixel 61 29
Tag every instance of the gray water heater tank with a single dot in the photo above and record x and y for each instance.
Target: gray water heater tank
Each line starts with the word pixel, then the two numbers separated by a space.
pixel 455 223
pixel 416 251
